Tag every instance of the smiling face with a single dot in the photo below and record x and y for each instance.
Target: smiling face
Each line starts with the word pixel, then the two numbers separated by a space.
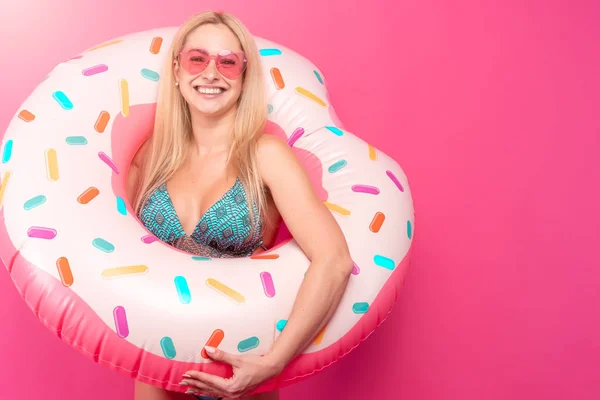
pixel 215 90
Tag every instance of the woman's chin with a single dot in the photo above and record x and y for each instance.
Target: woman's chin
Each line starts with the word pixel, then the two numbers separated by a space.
pixel 211 110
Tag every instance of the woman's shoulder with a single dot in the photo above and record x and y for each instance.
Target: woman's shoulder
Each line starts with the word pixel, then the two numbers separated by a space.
pixel 275 156
pixel 269 144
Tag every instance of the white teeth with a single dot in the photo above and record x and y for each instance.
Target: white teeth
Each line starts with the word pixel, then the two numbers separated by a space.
pixel 209 90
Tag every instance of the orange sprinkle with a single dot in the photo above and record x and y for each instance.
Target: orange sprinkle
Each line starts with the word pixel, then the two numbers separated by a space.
pixel 88 195
pixel 26 116
pixel 377 222
pixel 155 45
pixel 214 341
pixel 372 153
pixel 102 121
pixel 319 338
pixel 64 270
pixel 277 78
pixel 265 257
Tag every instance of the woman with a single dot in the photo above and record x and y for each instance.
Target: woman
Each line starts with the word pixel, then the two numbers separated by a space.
pixel 207 154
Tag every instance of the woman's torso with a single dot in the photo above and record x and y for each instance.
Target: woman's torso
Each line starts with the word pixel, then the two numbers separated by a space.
pixel 203 210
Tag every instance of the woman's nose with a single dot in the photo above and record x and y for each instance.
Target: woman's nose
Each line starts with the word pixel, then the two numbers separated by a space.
pixel 211 72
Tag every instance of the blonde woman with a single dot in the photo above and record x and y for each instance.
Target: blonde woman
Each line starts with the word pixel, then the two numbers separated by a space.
pixel 209 182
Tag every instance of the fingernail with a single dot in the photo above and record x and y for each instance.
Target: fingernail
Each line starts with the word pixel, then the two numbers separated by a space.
pixel 186 376
pixel 184 383
pixel 190 392
pixel 209 349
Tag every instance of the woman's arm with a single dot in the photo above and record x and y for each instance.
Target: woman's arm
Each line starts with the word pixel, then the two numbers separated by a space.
pixel 320 237
pixel 322 240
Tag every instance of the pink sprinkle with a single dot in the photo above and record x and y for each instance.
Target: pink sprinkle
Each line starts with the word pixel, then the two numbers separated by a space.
pixel 268 286
pixel 96 69
pixel 395 180
pixel 108 161
pixel 355 270
pixel 149 239
pixel 365 189
pixel 41 232
pixel 295 136
pixel 121 321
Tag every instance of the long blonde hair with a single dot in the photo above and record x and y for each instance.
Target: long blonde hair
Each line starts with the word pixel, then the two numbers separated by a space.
pixel 173 129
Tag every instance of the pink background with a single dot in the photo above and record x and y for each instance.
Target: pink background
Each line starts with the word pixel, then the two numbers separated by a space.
pixel 492 109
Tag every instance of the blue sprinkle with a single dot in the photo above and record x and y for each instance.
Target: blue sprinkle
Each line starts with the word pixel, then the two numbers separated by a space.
pixel 248 344
pixel 408 229
pixel 149 74
pixel 384 262
pixel 335 130
pixel 168 347
pixel 7 151
pixel 62 100
pixel 183 290
pixel 103 245
pixel 121 207
pixel 337 166
pixel 360 308
pixel 281 324
pixel 76 140
pixel 270 108
pixel 318 77
pixel 34 202
pixel 270 52
pixel 198 258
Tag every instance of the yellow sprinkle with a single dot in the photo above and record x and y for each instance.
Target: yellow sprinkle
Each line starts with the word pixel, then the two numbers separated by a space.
pixel 336 208
pixel 123 271
pixel 225 290
pixel 106 44
pixel 124 91
pixel 372 153
pixel 3 185
pixel 319 338
pixel 310 95
pixel 51 165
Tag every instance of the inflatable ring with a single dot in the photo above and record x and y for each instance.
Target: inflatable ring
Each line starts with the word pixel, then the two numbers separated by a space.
pixel 91 272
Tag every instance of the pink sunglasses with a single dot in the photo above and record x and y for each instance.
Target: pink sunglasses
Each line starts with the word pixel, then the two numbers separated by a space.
pixel 229 64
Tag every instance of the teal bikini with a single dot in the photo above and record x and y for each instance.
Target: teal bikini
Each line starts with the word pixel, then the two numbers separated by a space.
pixel 223 231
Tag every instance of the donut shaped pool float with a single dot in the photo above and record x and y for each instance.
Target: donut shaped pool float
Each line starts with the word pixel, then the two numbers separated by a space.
pixel 93 274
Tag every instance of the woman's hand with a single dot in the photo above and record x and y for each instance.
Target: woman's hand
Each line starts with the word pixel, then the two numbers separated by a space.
pixel 249 372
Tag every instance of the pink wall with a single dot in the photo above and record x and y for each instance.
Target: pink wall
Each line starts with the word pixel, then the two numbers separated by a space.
pixel 493 110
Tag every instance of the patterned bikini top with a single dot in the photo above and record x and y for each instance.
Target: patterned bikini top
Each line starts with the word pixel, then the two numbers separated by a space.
pixel 224 231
